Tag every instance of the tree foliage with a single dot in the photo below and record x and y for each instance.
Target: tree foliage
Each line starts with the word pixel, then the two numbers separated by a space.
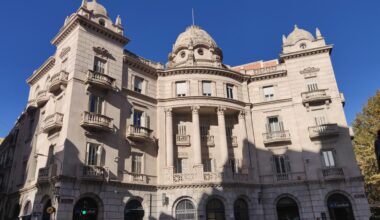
pixel 365 126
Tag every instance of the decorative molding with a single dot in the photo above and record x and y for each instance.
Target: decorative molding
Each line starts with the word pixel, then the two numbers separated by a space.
pixel 64 52
pixel 102 52
pixel 203 70
pixel 39 73
pixel 304 53
pixel 309 70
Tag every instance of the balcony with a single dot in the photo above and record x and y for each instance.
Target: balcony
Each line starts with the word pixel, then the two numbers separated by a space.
pixel 42 98
pixel 333 173
pixel 52 122
pixel 43 174
pixel 138 178
pixel 213 177
pixel 138 133
pixel 95 173
pixel 100 80
pixel 182 140
pixel 276 137
pixel 315 96
pixel 326 130
pixel 58 81
pixel 208 140
pixel 281 177
pixel 96 122
pixel 183 177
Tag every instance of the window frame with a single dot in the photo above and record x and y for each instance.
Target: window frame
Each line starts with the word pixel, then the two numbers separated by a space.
pixel 97 68
pixel 269 96
pixel 135 83
pixel 99 103
pixel 137 166
pixel 230 91
pixel 96 157
pixel 206 93
pixel 186 89
pixel 331 154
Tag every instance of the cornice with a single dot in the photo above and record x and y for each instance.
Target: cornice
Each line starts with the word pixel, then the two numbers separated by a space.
pixel 40 72
pixel 270 75
pixel 308 52
pixel 85 22
pixel 271 102
pixel 215 98
pixel 203 70
pixel 139 95
pixel 134 62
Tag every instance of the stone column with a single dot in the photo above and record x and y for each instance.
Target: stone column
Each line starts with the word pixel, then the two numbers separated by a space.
pixel 244 141
pixel 169 138
pixel 223 137
pixel 196 136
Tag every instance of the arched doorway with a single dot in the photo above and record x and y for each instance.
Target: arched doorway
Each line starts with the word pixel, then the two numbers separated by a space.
pixel 241 210
pixel 27 211
pixel 215 210
pixel 287 209
pixel 339 207
pixel 14 215
pixel 45 214
pixel 185 210
pixel 85 208
pixel 134 210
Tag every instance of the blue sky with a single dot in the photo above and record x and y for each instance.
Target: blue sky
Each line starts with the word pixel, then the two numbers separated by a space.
pixel 246 30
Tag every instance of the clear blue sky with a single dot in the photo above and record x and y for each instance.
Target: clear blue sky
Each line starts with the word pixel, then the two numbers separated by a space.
pixel 246 30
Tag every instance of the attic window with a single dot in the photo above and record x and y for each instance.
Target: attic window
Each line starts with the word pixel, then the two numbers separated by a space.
pixel 303 46
pixel 102 22
pixel 200 52
pixel 183 54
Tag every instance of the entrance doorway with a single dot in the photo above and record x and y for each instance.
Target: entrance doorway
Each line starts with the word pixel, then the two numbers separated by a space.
pixel 287 209
pixel 85 208
pixel 133 210
pixel 339 207
pixel 46 215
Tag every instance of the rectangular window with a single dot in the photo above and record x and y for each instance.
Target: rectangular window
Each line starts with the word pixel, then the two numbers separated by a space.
pixel 268 93
pixel 181 88
pixel 328 158
pixel 136 163
pixel 95 104
pixel 274 125
pixel 137 118
pixel 182 129
pixel 92 154
pixel 181 165
pixel 206 88
pixel 99 65
pixel 320 119
pixel 207 165
pixel 312 84
pixel 138 84
pixel 234 164
pixel 281 164
pixel 204 129
pixel 230 91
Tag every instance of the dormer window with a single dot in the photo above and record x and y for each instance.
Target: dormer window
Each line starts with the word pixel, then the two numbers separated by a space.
pixel 102 22
pixel 303 46
pixel 183 54
pixel 200 52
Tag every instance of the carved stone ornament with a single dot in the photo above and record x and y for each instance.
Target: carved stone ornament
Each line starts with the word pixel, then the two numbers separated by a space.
pixel 309 70
pixel 102 51
pixel 64 51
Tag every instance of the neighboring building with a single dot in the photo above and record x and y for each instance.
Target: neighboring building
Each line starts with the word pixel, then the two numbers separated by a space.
pixel 111 135
pixel 1 140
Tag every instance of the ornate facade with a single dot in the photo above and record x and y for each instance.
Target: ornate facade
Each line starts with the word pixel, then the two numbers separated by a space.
pixel 107 134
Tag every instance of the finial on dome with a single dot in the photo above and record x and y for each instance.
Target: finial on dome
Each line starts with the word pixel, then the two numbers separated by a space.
pixel 118 21
pixel 283 39
pixel 318 33
pixel 84 4
pixel 295 27
pixel 66 20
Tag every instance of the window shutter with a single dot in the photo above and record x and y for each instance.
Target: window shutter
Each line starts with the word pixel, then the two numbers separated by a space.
pixel 213 169
pixel 88 154
pixel 207 88
pixel 132 82
pixel 147 119
pixel 143 120
pixel 181 88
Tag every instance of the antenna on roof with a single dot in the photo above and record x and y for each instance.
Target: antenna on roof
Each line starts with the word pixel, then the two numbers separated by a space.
pixel 192 12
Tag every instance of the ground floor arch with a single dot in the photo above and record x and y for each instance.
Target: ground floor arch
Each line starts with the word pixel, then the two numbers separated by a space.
pixel 185 210
pixel 134 210
pixel 241 210
pixel 86 208
pixel 45 213
pixel 339 207
pixel 215 210
pixel 287 209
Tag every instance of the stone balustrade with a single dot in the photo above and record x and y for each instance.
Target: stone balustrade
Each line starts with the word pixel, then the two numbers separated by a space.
pixel 323 130
pixel 95 121
pixel 276 136
pixel 333 173
pixel 58 81
pixel 208 140
pixel 182 140
pixel 52 122
pixel 42 97
pixel 100 80
pixel 138 133
pixel 315 96
pixel 93 173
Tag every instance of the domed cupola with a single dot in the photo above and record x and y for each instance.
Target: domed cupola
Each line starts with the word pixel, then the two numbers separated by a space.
pixel 300 39
pixel 97 9
pixel 195 47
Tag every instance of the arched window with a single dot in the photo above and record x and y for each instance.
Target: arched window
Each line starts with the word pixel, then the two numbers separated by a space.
pixel 85 208
pixel 287 209
pixel 339 207
pixel 241 210
pixel 102 22
pixel 134 210
pixel 215 210
pixel 185 210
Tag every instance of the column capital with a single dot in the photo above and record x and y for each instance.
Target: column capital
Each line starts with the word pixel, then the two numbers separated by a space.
pixel 220 110
pixel 242 114
pixel 195 109
pixel 168 111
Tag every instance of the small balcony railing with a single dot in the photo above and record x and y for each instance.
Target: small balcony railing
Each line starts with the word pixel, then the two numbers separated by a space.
pixel 182 140
pixel 213 177
pixel 276 136
pixel 42 97
pixel 323 130
pixel 281 177
pixel 58 81
pixel 183 177
pixel 208 140
pixel 333 173
pixel 53 122
pixel 43 174
pixel 139 178
pixel 138 133
pixel 95 121
pixel 100 80
pixel 232 141
pixel 93 173
pixel 315 96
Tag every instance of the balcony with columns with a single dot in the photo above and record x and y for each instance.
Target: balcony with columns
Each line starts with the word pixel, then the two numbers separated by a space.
pixel 195 140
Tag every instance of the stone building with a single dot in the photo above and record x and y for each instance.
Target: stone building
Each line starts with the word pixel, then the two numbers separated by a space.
pixel 108 134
